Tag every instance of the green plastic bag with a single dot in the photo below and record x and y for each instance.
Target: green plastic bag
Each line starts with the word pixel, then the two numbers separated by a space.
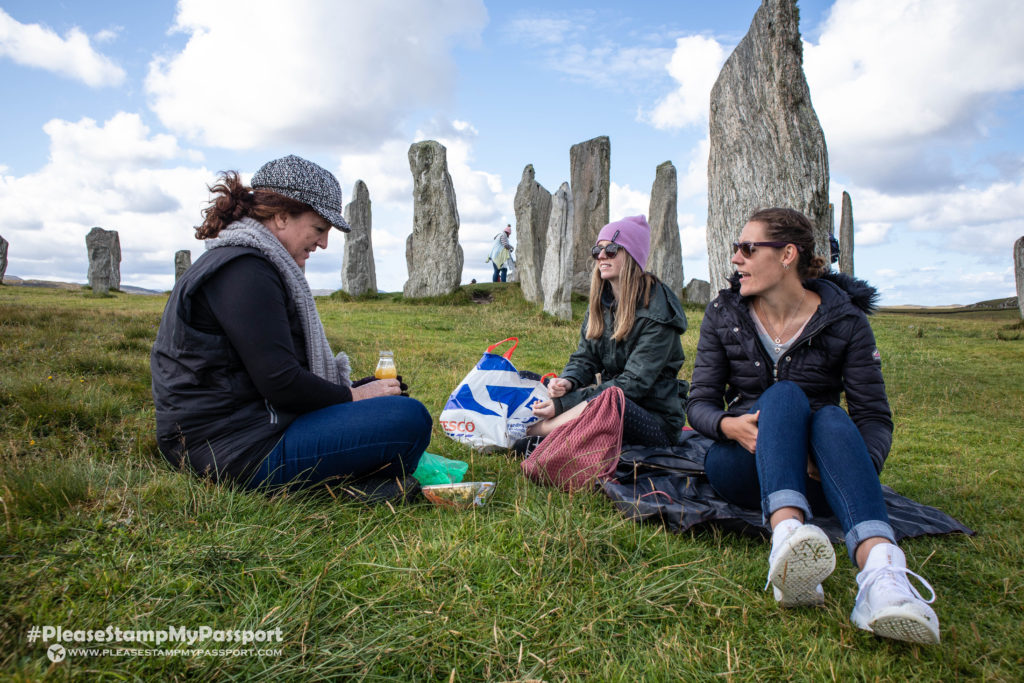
pixel 436 469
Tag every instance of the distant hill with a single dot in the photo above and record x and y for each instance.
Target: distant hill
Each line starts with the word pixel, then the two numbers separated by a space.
pixel 52 284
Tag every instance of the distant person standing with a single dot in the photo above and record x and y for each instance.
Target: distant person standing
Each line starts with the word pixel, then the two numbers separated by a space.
pixel 501 250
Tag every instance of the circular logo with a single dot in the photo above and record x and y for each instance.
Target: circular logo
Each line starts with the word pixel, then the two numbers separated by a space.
pixel 56 653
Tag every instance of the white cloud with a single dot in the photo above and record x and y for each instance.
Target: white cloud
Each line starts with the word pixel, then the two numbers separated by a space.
pixel 694 182
pixel 109 176
pixel 71 56
pixel 625 201
pixel 892 79
pixel 695 65
pixel 323 74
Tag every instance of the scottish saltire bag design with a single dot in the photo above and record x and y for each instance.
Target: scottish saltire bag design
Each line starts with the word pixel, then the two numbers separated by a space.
pixel 583 452
pixel 492 406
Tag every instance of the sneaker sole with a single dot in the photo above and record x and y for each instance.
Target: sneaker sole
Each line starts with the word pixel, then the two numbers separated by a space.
pixel 901 623
pixel 797 573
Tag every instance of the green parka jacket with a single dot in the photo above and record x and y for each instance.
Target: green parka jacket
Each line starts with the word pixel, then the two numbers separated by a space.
pixel 644 365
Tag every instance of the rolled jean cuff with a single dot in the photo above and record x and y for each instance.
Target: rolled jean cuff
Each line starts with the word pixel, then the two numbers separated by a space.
pixel 784 498
pixel 865 530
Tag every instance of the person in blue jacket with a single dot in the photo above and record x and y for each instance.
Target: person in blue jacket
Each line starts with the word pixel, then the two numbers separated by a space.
pixel 776 350
pixel 245 384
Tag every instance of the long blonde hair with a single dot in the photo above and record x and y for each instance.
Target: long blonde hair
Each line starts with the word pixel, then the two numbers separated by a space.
pixel 633 282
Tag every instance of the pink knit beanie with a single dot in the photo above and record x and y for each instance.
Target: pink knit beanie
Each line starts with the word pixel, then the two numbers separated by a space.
pixel 633 234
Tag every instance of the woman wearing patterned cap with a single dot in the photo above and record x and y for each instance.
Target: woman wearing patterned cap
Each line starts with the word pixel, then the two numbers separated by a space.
pixel 629 338
pixel 245 383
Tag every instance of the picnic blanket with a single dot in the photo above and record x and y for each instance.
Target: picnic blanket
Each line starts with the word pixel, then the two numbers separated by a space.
pixel 667 485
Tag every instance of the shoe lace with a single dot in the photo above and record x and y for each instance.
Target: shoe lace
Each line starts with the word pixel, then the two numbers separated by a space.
pixel 891 575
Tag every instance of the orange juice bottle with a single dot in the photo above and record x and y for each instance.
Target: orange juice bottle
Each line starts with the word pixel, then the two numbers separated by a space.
pixel 386 366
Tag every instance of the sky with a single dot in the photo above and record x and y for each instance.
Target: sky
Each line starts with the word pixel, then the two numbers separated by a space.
pixel 120 114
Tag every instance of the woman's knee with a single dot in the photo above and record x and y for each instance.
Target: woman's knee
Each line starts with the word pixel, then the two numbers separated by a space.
pixel 785 393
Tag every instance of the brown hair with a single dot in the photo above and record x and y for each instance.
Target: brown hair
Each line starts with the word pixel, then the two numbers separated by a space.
pixel 633 283
pixel 789 225
pixel 235 200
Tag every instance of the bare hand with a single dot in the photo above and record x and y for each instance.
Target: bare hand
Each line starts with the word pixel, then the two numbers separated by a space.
pixel 558 387
pixel 742 429
pixel 545 410
pixel 380 387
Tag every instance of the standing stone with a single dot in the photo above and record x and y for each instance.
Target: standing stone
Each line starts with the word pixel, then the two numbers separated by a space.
pixel 182 262
pixel 846 236
pixel 666 259
pixel 533 211
pixel 556 279
pixel 433 254
pixel 767 147
pixel 358 273
pixel 1018 269
pixel 590 169
pixel 698 292
pixel 3 258
pixel 104 260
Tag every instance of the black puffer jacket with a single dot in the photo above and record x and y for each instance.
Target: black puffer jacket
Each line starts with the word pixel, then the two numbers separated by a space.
pixel 644 365
pixel 836 352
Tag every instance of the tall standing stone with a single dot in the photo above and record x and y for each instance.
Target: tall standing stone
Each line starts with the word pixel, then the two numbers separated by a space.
pixel 182 262
pixel 666 259
pixel 3 258
pixel 846 236
pixel 533 211
pixel 767 147
pixel 104 248
pixel 590 171
pixel 556 279
pixel 358 272
pixel 433 254
pixel 1018 270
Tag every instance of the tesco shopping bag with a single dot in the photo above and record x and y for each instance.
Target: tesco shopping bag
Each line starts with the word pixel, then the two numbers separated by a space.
pixel 492 406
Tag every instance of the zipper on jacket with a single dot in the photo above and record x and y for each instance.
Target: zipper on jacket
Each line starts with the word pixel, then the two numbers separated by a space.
pixel 270 409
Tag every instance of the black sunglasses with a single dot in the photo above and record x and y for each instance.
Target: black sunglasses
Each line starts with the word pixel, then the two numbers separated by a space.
pixel 610 249
pixel 747 248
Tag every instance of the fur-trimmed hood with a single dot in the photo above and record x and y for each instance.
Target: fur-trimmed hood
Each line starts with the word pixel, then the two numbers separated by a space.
pixel 860 293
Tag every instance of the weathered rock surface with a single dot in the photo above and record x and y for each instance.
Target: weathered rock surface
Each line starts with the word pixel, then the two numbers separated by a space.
pixel 1018 271
pixel 846 236
pixel 698 292
pixel 433 254
pixel 590 169
pixel 533 211
pixel 358 273
pixel 666 258
pixel 556 279
pixel 767 147
pixel 182 262
pixel 104 248
pixel 3 258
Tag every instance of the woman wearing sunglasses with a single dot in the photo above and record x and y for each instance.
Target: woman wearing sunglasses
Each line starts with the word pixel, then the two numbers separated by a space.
pixel 776 350
pixel 629 338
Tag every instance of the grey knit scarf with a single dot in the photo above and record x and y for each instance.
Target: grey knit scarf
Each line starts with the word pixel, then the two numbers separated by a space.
pixel 248 232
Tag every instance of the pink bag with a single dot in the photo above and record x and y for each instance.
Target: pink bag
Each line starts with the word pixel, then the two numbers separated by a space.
pixel 584 451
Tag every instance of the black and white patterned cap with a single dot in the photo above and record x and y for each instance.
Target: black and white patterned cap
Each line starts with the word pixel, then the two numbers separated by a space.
pixel 304 181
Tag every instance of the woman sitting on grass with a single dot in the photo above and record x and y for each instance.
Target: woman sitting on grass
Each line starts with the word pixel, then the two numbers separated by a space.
pixel 245 384
pixel 630 337
pixel 776 349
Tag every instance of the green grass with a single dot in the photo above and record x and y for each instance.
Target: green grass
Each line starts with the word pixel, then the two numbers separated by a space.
pixel 96 531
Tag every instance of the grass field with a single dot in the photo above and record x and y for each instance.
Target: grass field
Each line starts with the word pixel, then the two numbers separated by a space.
pixel 97 531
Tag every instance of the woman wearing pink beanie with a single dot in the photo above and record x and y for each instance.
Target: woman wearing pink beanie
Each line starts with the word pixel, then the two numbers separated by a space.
pixel 629 339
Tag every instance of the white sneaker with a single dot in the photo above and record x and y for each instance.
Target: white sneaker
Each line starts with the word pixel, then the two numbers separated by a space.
pixel 888 605
pixel 798 564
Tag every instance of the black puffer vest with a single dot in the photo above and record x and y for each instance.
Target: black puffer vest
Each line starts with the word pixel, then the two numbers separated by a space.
pixel 209 414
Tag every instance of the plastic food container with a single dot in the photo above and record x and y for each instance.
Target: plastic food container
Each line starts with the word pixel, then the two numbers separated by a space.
pixel 466 495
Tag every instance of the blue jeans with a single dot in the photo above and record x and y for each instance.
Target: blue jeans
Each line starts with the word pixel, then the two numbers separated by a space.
pixel 499 273
pixel 376 437
pixel 776 476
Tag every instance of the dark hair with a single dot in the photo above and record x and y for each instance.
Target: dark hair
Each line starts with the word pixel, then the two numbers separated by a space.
pixel 789 225
pixel 235 200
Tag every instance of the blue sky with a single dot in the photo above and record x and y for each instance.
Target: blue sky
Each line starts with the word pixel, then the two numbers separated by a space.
pixel 119 114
